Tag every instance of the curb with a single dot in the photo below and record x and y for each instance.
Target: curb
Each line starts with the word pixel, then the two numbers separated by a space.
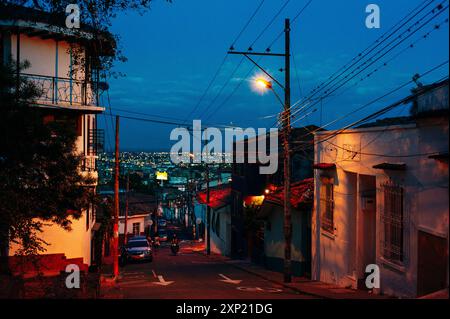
pixel 277 282
pixel 268 279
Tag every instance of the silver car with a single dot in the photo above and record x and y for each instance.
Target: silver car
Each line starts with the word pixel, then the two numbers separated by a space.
pixel 139 250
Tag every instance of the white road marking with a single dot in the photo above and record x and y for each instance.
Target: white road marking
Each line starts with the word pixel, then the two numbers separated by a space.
pixel 163 282
pixel 254 289
pixel 154 274
pixel 229 280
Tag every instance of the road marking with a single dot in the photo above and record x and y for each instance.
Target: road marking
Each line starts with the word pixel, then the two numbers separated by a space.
pixel 154 273
pixel 162 281
pixel 229 280
pixel 258 289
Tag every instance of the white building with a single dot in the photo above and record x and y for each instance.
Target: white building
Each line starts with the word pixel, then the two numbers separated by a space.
pixel 70 94
pixel 220 218
pixel 139 217
pixel 381 197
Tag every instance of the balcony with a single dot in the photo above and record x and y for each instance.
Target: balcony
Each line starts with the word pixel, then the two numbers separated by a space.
pixel 58 92
pixel 95 145
pixel 96 141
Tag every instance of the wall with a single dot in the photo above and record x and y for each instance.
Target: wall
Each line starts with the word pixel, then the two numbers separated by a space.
pixel 221 243
pixel 130 221
pixel 74 243
pixel 425 184
pixel 274 241
pixel 51 59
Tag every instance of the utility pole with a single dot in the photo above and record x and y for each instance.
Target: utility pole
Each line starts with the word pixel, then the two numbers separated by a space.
pixel 208 213
pixel 126 210
pixel 286 119
pixel 287 157
pixel 116 205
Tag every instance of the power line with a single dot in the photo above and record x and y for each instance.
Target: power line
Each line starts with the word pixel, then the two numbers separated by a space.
pixel 402 39
pixel 249 49
pixel 293 20
pixel 386 63
pixel 207 88
pixel 366 51
pixel 379 112
pixel 246 25
pixel 232 92
pixel 146 114
pixel 268 25
pixel 374 44
pixel 223 61
pixel 179 124
pixel 223 86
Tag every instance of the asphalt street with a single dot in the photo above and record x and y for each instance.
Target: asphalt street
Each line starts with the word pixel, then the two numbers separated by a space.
pixel 192 275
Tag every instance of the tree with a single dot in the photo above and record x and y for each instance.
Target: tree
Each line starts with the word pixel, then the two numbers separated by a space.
pixel 40 176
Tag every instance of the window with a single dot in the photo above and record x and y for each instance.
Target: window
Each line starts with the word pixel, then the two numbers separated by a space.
pixel 136 228
pixel 327 204
pixel 392 219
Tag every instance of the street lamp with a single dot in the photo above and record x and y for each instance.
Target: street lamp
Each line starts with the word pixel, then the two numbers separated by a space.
pixel 263 84
pixel 286 120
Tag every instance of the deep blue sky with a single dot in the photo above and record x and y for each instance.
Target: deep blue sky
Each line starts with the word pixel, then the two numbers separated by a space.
pixel 174 49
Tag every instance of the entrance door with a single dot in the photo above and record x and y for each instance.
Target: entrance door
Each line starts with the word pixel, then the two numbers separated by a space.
pixel 432 263
pixel 367 226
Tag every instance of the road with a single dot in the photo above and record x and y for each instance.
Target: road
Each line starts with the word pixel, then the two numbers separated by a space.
pixel 192 275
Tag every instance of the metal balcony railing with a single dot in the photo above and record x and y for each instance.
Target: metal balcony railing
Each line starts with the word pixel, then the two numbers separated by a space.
pixel 96 141
pixel 64 91
pixel 89 163
pixel 95 145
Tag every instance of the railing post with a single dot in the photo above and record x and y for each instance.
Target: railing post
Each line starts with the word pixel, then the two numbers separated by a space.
pixel 85 92
pixel 53 90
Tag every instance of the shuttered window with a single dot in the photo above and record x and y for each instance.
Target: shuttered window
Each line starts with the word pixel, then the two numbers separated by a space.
pixel 327 204
pixel 393 223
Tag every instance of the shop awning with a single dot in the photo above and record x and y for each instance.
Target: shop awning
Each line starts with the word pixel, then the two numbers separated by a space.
pixel 324 166
pixel 302 194
pixel 218 196
pixel 439 156
pixel 391 166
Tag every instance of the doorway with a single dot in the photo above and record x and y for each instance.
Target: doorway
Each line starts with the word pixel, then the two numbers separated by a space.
pixel 432 263
pixel 367 225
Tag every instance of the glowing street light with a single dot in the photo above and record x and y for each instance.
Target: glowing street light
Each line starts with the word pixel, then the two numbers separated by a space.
pixel 263 83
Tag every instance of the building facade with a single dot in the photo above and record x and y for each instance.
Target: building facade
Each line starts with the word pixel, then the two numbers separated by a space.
pixel 381 198
pixel 69 93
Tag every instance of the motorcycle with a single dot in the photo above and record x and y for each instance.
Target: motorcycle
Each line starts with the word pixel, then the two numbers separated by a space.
pixel 174 248
pixel 156 243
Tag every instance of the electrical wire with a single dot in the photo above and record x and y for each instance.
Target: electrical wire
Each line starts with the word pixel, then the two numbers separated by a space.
pixel 402 39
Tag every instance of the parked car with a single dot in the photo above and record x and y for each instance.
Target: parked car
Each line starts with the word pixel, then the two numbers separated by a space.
pixel 138 250
pixel 134 238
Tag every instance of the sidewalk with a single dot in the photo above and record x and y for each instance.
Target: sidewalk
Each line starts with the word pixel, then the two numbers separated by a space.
pixel 302 285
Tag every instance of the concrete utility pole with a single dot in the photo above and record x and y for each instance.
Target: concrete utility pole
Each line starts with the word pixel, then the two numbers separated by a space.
pixel 115 253
pixel 286 119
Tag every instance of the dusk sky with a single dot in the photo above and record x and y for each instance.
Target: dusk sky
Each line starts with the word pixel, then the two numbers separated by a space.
pixel 173 51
